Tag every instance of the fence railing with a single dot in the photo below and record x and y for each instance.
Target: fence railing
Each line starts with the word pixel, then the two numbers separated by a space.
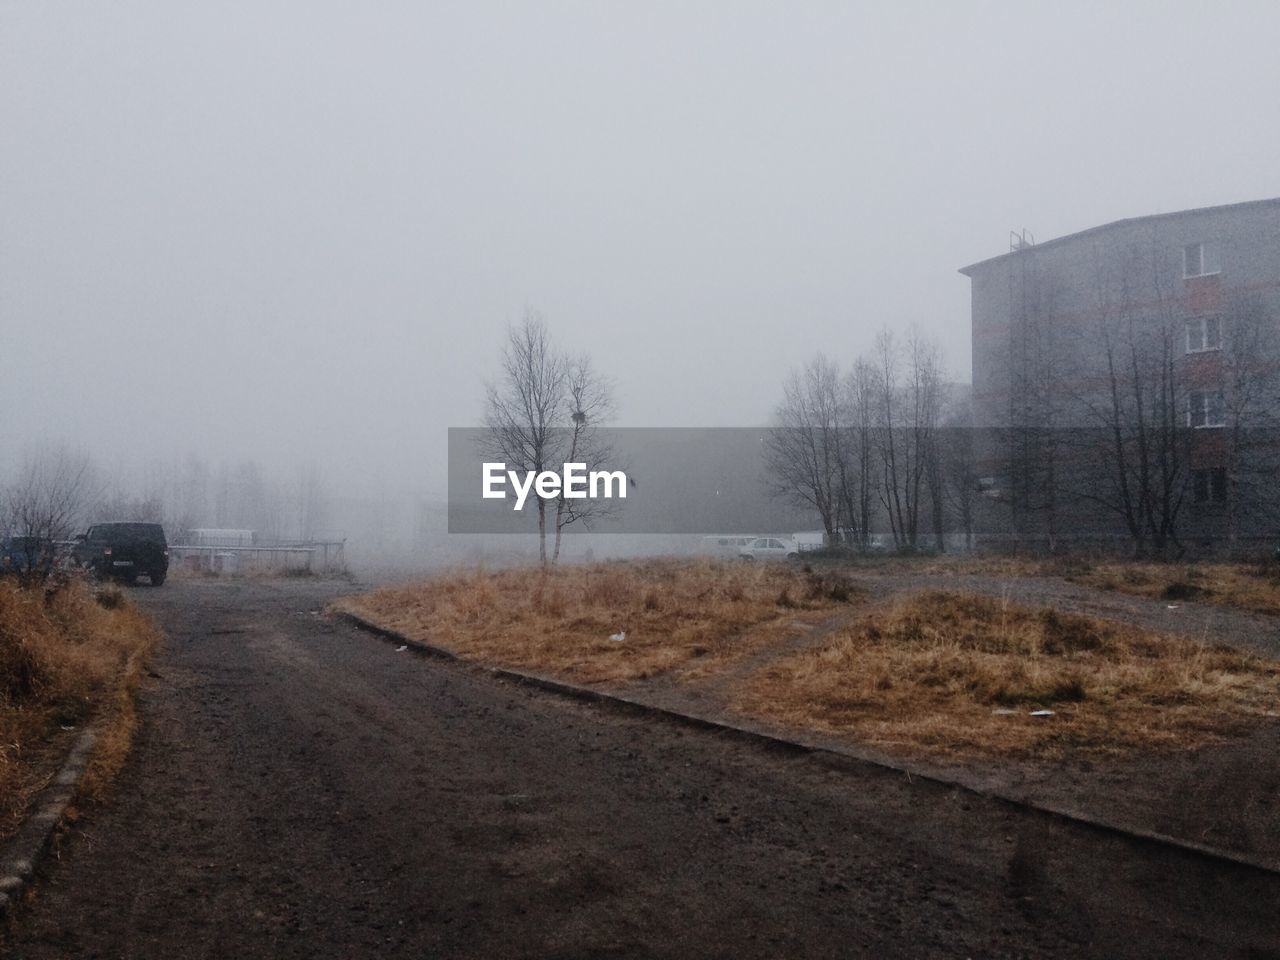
pixel 307 556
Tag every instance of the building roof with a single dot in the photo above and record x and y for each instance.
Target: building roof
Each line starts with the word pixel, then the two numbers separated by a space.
pixel 971 268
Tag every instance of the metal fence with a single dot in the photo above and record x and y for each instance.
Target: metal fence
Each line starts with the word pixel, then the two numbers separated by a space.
pixel 322 557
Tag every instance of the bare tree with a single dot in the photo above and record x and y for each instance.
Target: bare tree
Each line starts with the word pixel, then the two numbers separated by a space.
pixel 525 406
pixel 1143 408
pixel 958 466
pixel 857 453
pixel 49 495
pixel 803 454
pixel 1250 450
pixel 908 405
pixel 187 503
pixel 119 504
pixel 546 410
pixel 244 498
pixel 841 443
pixel 926 394
pixel 1037 397
pixel 590 405
pixel 885 370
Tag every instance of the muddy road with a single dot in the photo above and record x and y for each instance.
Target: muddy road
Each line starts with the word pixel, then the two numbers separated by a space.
pixel 301 789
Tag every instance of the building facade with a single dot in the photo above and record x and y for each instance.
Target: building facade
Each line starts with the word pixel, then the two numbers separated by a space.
pixel 1127 380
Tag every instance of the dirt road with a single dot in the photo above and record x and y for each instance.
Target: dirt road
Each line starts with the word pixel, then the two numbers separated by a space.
pixel 300 789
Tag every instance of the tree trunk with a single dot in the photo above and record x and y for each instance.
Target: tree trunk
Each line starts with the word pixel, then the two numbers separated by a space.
pixel 542 531
pixel 555 554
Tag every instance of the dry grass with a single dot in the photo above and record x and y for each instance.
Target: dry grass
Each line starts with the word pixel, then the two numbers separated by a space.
pixel 929 674
pixel 67 654
pixel 1250 586
pixel 962 565
pixel 681 615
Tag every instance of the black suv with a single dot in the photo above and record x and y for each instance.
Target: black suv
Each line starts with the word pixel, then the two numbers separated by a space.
pixel 123 551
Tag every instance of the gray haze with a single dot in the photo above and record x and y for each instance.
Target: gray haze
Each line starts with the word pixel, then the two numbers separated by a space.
pixel 298 232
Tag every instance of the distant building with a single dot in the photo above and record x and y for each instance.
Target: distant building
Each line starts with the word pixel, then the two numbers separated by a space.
pixel 1128 377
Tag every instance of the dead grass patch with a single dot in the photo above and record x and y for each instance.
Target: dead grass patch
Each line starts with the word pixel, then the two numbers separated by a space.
pixel 685 615
pixel 930 673
pixel 1250 586
pixel 68 654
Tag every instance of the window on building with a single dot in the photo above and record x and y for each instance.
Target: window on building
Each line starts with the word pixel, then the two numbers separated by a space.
pixel 1204 333
pixel 1206 409
pixel 1200 260
pixel 1210 486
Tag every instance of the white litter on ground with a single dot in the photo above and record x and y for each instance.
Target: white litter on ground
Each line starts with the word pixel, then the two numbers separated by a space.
pixel 619 636
pixel 402 648
pixel 1042 713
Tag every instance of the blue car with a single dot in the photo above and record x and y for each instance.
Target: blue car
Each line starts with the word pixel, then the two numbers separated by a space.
pixel 33 555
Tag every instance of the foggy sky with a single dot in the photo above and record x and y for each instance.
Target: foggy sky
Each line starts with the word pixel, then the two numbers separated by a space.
pixel 299 231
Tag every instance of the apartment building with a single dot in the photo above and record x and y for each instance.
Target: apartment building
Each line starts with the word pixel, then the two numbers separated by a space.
pixel 1127 376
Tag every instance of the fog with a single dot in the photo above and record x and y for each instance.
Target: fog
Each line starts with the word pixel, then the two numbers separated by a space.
pixel 297 233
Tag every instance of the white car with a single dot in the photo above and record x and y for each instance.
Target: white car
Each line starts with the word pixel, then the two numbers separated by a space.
pixel 727 546
pixel 769 548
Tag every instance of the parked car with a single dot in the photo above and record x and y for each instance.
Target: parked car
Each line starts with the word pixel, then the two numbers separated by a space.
pixel 769 548
pixel 728 545
pixel 124 551
pixel 34 555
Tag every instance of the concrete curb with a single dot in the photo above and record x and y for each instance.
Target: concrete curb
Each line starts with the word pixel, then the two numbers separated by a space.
pixel 24 852
pixel 827 756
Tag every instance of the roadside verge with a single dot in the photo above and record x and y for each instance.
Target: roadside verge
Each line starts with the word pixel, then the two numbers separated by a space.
pixel 24 851
pixel 72 657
